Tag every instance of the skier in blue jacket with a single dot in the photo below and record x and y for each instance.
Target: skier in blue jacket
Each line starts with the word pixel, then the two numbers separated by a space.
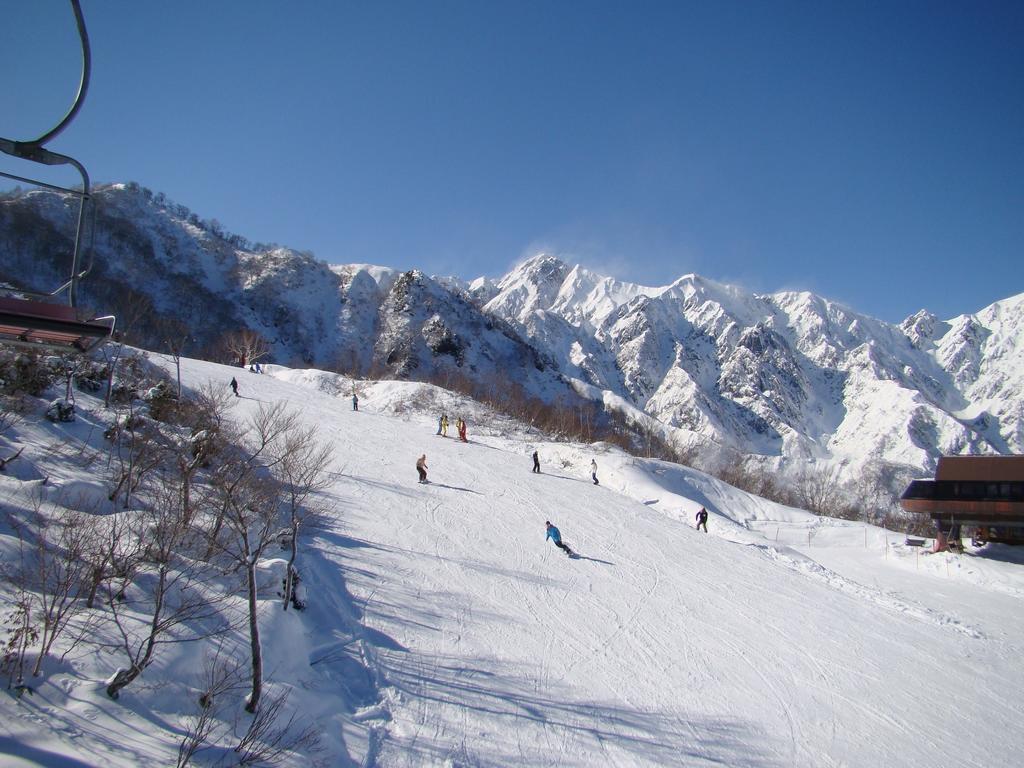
pixel 556 536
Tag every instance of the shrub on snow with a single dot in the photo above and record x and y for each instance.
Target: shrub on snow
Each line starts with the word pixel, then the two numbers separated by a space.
pixel 60 410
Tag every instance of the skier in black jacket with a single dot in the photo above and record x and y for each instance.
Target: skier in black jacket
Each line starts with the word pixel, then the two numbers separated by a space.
pixel 702 519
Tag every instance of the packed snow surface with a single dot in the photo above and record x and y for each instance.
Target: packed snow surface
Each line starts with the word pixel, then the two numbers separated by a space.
pixel 443 630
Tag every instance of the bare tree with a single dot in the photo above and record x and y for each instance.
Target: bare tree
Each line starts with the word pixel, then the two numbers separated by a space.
pixel 818 490
pixel 134 312
pixel 166 596
pixel 174 335
pixel 107 554
pixel 251 516
pixel 222 677
pixel 302 468
pixel 21 633
pixel 52 573
pixel 71 364
pixel 62 571
pixel 270 736
pixel 205 418
pixel 137 451
pixel 133 437
pixel 249 498
pixel 112 362
pixel 245 346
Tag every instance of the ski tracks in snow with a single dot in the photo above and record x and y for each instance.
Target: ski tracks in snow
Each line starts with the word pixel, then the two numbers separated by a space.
pixel 890 601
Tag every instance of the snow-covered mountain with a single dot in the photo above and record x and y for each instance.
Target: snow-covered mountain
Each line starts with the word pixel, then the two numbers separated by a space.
pixel 156 263
pixel 789 376
pixel 785 374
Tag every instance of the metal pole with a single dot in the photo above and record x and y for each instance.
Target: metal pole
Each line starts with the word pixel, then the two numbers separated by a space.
pixel 83 83
pixel 73 292
pixel 34 151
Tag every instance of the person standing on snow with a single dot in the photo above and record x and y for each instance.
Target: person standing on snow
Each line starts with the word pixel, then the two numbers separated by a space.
pixel 355 402
pixel 593 470
pixel 462 430
pixel 556 536
pixel 234 386
pixel 444 425
pixel 536 463
pixel 421 467
pixel 702 519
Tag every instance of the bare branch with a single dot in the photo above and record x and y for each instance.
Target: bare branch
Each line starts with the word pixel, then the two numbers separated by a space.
pixel 245 346
pixel 269 739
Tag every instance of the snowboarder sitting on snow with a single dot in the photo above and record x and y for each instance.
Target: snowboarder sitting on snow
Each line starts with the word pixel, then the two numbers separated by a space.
pixel 421 467
pixel 536 463
pixel 556 537
pixel 234 387
pixel 702 519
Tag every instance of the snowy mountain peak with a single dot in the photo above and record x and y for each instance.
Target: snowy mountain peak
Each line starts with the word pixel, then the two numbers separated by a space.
pixel 922 328
pixel 541 268
pixel 533 284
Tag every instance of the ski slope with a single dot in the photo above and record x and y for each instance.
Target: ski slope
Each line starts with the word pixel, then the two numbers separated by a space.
pixel 443 630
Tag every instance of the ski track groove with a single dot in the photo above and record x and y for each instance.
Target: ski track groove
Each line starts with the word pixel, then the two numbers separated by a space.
pixel 821 672
pixel 723 638
pixel 825 677
pixel 819 573
pixel 888 600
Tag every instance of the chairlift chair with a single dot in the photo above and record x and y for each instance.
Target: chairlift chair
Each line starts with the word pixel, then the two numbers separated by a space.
pixel 39 321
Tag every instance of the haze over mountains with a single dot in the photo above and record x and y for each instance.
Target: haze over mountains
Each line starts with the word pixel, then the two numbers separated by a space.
pixel 787 376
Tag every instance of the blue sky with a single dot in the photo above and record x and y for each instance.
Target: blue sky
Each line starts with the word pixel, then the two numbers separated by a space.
pixel 872 152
